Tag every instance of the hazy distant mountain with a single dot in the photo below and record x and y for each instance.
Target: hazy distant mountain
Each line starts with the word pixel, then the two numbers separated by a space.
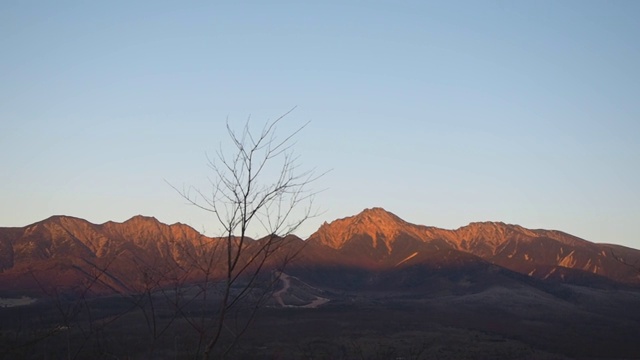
pixel 374 249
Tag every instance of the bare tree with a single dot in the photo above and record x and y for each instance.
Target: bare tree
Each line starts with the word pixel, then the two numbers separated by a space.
pixel 210 287
pixel 256 185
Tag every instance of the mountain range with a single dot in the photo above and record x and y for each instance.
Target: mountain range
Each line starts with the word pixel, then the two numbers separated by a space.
pixel 359 287
pixel 374 249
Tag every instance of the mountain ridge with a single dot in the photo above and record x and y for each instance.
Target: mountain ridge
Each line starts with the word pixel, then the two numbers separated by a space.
pixel 371 241
pixel 534 252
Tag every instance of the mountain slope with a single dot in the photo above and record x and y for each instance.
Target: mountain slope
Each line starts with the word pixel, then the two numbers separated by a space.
pixel 545 254
pixel 63 252
pixel 373 249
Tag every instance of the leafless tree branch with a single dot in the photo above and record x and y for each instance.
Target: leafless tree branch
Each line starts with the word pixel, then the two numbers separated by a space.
pixel 257 184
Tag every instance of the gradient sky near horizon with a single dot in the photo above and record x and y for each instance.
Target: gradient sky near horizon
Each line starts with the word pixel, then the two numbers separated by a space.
pixel 443 113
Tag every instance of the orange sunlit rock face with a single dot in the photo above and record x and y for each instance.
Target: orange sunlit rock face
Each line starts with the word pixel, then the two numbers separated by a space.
pixel 66 252
pixel 538 253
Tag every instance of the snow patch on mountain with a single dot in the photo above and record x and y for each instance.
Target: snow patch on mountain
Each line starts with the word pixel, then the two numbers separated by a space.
pixel 408 258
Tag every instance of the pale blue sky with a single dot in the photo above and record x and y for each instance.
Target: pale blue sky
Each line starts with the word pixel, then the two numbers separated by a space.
pixel 444 112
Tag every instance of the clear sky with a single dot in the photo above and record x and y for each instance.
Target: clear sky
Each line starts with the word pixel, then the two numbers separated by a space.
pixel 444 113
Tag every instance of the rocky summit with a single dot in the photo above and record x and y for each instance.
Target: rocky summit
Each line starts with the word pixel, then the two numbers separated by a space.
pixel 67 252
